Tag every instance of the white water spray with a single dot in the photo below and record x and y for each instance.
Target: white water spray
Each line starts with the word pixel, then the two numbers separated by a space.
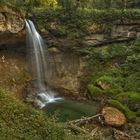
pixel 38 59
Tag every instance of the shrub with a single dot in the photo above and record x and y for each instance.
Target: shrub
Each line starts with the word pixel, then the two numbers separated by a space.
pixel 117 50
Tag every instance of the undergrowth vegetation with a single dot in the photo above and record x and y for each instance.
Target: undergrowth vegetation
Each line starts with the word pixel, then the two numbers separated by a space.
pixel 75 25
pixel 19 121
pixel 114 73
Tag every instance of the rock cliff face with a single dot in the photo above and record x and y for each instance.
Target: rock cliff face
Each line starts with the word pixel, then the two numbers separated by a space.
pixel 63 68
pixel 11 25
pixel 64 71
pixel 123 32
pixel 98 35
pixel 13 65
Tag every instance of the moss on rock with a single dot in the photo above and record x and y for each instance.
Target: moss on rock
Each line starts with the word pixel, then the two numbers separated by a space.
pixel 129 114
pixel 128 97
pixel 108 84
pixel 132 99
pixel 94 91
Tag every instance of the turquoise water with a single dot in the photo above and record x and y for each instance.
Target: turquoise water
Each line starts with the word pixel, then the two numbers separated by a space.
pixel 67 110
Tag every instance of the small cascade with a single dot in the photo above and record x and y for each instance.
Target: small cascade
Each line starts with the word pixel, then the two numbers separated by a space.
pixel 37 53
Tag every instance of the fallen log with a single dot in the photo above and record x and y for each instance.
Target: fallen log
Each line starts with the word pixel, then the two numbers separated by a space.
pixel 85 119
pixel 78 129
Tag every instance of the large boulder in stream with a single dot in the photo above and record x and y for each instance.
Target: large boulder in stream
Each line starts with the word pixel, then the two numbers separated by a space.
pixel 113 116
pixel 11 24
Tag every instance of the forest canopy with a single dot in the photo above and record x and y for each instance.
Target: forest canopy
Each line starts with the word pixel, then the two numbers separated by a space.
pixel 69 4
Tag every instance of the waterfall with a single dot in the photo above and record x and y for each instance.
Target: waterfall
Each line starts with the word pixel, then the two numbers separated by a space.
pixel 38 53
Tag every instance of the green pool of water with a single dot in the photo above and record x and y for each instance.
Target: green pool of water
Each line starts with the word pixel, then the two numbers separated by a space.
pixel 70 110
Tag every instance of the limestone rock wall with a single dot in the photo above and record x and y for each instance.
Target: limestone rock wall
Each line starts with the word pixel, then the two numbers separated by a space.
pixel 123 32
pixel 11 25
pixel 11 19
pixel 64 71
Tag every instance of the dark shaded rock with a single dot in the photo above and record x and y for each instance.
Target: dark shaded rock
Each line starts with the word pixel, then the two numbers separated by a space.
pixel 64 71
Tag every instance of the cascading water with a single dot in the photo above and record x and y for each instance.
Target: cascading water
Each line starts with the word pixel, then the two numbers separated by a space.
pixel 38 64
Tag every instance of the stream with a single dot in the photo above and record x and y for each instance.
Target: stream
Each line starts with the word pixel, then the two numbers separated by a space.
pixel 67 110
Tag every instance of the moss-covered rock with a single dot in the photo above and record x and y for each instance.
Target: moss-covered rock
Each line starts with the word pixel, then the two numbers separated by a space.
pixel 128 97
pixel 129 114
pixel 95 91
pixel 132 99
pixel 108 84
